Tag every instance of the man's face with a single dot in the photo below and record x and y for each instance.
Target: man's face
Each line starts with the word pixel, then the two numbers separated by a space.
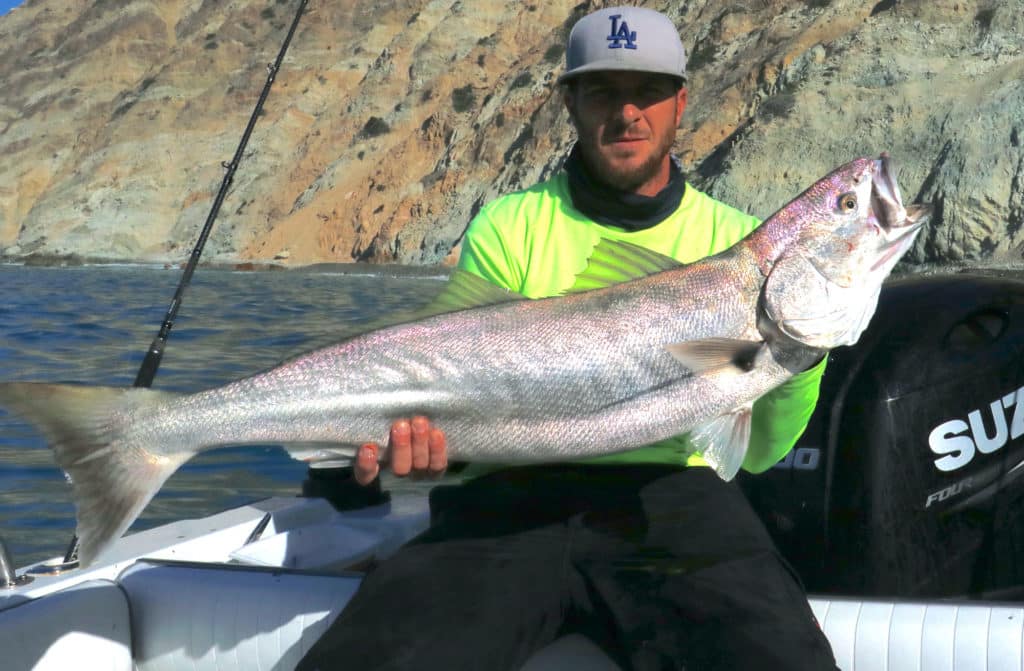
pixel 626 122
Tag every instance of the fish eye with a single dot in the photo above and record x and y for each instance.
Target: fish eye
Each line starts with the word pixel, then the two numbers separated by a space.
pixel 847 202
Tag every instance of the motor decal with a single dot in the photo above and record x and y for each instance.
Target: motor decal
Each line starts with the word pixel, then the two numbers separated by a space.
pixel 958 441
pixel 801 459
pixel 946 492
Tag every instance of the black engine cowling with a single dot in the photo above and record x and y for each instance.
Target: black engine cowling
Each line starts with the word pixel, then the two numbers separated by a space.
pixel 909 477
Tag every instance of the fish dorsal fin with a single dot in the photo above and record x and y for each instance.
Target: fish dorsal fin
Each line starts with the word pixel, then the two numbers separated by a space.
pixel 462 291
pixel 614 261
pixel 466 290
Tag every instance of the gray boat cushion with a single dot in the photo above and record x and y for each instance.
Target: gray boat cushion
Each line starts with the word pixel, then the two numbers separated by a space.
pixel 571 651
pixel 204 618
pixel 906 636
pixel 228 618
pixel 196 617
pixel 85 626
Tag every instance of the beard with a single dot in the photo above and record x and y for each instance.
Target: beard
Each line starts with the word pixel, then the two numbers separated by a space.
pixel 625 178
pixel 619 177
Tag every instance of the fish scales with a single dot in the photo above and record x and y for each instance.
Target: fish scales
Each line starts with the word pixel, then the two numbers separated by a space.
pixel 544 370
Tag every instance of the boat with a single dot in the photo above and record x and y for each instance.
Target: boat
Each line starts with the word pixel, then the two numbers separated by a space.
pixel 900 508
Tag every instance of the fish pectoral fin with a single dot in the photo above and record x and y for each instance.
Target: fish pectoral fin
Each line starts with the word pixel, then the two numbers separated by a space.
pixel 702 356
pixel 322 455
pixel 724 440
pixel 612 262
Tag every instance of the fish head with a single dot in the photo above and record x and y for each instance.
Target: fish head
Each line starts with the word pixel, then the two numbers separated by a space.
pixel 856 224
pixel 839 241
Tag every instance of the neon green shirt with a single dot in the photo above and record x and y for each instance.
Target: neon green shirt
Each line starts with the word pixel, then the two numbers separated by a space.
pixel 535 242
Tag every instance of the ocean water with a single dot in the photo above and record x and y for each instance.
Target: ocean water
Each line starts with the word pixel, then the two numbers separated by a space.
pixel 93 325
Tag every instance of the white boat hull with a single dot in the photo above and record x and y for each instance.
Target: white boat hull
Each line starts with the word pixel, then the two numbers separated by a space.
pixel 193 595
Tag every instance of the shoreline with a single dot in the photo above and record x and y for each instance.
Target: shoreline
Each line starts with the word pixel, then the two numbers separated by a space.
pixel 991 267
pixel 338 268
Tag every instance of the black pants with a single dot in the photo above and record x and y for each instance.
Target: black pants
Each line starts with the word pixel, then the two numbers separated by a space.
pixel 663 568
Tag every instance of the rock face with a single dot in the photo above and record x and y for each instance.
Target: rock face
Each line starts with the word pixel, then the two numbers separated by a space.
pixel 391 123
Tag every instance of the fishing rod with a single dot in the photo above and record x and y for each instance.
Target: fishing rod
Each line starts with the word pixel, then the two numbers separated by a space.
pixel 147 371
pixel 151 362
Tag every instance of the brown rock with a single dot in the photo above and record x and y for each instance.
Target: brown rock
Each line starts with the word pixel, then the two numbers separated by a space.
pixel 391 123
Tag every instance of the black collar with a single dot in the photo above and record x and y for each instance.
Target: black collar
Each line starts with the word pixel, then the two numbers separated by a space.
pixel 622 209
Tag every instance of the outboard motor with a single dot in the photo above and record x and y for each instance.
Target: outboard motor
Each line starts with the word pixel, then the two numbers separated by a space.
pixel 909 478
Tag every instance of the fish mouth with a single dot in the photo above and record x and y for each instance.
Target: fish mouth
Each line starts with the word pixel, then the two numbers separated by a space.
pixel 901 224
pixel 898 245
pixel 887 202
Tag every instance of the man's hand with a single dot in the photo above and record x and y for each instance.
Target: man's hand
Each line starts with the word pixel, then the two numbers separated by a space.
pixel 416 447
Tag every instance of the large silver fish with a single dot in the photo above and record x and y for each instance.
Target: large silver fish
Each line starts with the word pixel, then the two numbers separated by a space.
pixel 673 349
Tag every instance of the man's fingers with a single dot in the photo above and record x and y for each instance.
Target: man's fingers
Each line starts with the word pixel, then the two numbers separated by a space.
pixel 416 448
pixel 366 467
pixel 420 443
pixel 400 447
pixel 438 448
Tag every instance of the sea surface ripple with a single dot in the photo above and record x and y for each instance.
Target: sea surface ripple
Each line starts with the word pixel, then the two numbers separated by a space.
pixel 94 324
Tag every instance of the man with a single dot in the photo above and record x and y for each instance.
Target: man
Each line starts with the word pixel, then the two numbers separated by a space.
pixel 647 552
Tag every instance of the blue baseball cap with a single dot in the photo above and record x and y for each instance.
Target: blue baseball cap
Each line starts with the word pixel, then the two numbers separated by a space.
pixel 632 39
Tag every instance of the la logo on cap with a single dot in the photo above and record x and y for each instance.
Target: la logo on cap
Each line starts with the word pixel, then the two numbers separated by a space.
pixel 620 32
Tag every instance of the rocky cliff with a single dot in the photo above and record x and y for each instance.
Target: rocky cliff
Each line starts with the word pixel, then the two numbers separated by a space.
pixel 390 123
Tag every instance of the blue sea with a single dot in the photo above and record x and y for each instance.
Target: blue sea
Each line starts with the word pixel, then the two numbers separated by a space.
pixel 93 324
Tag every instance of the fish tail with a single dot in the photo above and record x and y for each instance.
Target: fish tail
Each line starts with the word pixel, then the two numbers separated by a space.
pixel 112 479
